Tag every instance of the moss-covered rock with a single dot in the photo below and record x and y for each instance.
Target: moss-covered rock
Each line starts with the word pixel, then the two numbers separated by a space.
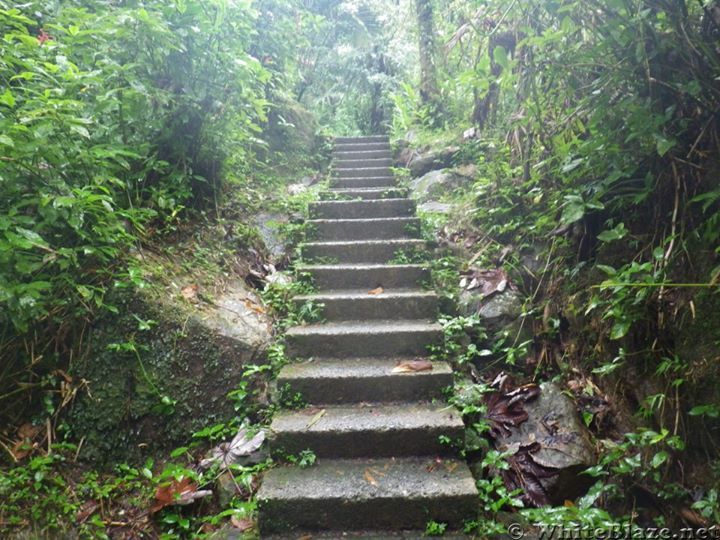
pixel 162 369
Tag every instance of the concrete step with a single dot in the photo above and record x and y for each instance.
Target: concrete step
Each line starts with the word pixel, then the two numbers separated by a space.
pixel 361 147
pixel 362 163
pixel 366 276
pixel 361 172
pixel 352 380
pixel 348 305
pixel 365 209
pixel 347 339
pixel 361 139
pixel 361 154
pixel 377 430
pixel 345 495
pixel 386 181
pixel 365 229
pixel 359 251
pixel 364 194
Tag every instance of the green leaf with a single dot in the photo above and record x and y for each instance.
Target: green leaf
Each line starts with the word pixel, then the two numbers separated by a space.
pixel 620 329
pixel 663 145
pixel 500 56
pixel 7 98
pixel 658 459
pixel 617 233
pixel 7 141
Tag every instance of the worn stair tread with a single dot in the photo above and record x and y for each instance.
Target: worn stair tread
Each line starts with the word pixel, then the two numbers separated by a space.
pixel 353 368
pixel 401 242
pixel 407 478
pixel 374 327
pixel 366 193
pixel 376 418
pixel 366 535
pixel 394 480
pixel 353 294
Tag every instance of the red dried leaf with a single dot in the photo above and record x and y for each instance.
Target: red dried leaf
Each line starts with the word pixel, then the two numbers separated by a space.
pixel 180 492
pixel 413 366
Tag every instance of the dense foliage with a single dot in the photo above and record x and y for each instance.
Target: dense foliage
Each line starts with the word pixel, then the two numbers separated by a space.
pixel 595 151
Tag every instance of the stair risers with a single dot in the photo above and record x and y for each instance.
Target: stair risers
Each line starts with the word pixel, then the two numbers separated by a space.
pixel 335 277
pixel 364 229
pixel 385 306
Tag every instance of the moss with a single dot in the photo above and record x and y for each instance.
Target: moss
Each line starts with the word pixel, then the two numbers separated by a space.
pixel 122 416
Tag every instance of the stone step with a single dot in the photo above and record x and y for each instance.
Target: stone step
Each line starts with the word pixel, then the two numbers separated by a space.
pixel 361 147
pixel 362 163
pixel 356 535
pixel 365 209
pixel 361 139
pixel 344 495
pixel 360 251
pixel 352 380
pixel 348 305
pixel 386 181
pixel 361 172
pixel 365 229
pixel 364 194
pixel 361 154
pixel 347 339
pixel 361 430
pixel 366 276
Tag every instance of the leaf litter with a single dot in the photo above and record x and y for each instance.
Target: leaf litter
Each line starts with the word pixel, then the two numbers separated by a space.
pixel 413 366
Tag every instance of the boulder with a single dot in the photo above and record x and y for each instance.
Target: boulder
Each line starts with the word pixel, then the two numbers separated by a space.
pixel 189 356
pixel 496 311
pixel 433 185
pixel 423 163
pixel 267 225
pixel 439 208
pixel 565 444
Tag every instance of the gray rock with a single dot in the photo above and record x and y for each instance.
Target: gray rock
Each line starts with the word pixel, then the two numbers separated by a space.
pixel 436 159
pixel 432 185
pixel 267 226
pixel 440 208
pixel 496 311
pixel 566 444
pixel 232 317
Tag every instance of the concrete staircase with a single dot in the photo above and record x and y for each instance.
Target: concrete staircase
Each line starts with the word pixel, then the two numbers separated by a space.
pixel 380 463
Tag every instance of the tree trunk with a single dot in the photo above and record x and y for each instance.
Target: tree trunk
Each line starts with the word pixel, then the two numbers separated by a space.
pixel 428 72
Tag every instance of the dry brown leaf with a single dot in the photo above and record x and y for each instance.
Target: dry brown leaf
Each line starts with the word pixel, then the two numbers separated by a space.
pixel 369 478
pixel 244 524
pixel 254 307
pixel 190 292
pixel 413 366
pixel 87 510
pixel 28 431
pixel 377 291
pixel 306 537
pixel 179 492
pixel 315 419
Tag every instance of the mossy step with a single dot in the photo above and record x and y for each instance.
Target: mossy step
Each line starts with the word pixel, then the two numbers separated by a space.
pixel 366 276
pixel 360 172
pixel 360 251
pixel 359 304
pixel 352 380
pixel 361 430
pixel 344 495
pixel 365 229
pixel 382 181
pixel 365 193
pixel 365 209
pixel 348 339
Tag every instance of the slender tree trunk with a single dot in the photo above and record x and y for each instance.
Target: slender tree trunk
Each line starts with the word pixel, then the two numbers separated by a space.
pixel 428 72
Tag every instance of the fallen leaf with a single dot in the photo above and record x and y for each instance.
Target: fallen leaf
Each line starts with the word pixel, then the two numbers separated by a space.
pixel 28 431
pixel 244 524
pixel 488 281
pixel 178 492
pixel 87 510
pixel 227 454
pixel 190 292
pixel 315 419
pixel 413 366
pixel 306 537
pixel 254 307
pixel 377 291
pixel 369 478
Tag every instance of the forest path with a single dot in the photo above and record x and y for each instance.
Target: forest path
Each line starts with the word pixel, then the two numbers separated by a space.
pixel 375 431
